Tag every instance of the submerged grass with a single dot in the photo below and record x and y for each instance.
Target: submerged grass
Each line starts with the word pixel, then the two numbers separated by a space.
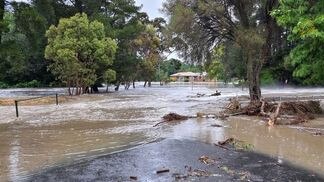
pixel 37 101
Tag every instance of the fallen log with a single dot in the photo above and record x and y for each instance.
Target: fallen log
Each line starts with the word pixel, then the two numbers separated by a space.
pixel 163 171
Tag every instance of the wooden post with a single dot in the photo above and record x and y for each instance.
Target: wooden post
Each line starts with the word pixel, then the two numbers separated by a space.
pixel 56 96
pixel 16 104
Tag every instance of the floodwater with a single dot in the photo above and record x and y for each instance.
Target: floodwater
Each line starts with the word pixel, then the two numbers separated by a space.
pixel 49 135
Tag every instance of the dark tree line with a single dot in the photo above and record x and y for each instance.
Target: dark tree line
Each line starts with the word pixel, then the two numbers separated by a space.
pixel 23 41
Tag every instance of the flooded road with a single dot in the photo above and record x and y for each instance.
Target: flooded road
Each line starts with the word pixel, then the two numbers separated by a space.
pixel 49 135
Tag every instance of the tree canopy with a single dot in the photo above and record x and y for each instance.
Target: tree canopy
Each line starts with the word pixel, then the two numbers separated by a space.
pixel 79 50
pixel 304 21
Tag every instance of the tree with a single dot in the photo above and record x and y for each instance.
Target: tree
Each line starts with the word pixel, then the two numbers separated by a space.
pixel 127 23
pixel 109 77
pixel 244 23
pixel 304 20
pixel 77 48
pixel 147 45
pixel 215 68
pixel 2 12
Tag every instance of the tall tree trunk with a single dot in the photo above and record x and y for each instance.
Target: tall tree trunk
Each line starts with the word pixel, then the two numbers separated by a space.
pixel 253 76
pixel 2 11
pixel 117 86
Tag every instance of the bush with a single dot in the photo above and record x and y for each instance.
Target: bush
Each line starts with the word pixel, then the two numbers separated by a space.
pixel 31 84
pixel 3 85
pixel 267 78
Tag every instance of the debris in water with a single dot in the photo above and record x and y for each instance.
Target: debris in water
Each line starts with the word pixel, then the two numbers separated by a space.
pixel 217 93
pixel 206 160
pixel 174 117
pixel 216 125
pixel 237 144
pixel 200 95
pixel 318 134
pixel 162 171
pixel 227 141
pixel 282 113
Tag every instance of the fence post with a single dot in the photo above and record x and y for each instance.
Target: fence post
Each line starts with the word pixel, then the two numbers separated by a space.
pixel 56 96
pixel 16 104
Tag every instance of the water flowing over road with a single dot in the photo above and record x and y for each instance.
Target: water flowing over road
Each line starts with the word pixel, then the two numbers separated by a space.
pixel 92 125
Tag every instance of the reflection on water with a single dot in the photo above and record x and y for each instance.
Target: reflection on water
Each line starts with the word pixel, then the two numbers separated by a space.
pixel 45 136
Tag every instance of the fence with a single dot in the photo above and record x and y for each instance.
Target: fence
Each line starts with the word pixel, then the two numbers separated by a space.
pixel 34 98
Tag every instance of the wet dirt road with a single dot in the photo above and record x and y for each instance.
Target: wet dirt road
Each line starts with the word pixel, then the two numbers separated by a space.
pixel 47 136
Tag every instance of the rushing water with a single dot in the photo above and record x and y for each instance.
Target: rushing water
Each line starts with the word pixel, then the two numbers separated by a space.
pixel 49 135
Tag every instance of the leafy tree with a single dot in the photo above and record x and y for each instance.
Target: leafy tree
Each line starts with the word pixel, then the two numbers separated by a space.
pixel 13 54
pixel 77 48
pixel 305 22
pixel 215 68
pixel 170 66
pixel 147 45
pixel 246 24
pixel 126 23
pixel 2 12
pixel 109 77
pixel 32 26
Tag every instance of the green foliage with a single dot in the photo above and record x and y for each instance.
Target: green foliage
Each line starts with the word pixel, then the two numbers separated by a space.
pixel 267 78
pixel 12 54
pixel 31 84
pixel 170 66
pixel 3 85
pixel 162 76
pixel 215 69
pixel 147 46
pixel 78 49
pixel 109 76
pixel 305 22
pixel 191 68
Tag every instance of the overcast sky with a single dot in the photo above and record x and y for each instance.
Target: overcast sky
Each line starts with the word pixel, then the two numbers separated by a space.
pixel 151 7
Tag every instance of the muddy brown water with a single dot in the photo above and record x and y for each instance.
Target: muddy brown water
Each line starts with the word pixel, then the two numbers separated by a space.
pixel 47 136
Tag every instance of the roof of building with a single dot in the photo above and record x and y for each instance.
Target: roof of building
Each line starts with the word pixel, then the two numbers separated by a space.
pixel 184 74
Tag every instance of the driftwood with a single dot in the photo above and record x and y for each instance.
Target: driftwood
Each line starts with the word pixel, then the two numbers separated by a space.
pixel 172 117
pixel 217 93
pixel 282 113
pixel 162 171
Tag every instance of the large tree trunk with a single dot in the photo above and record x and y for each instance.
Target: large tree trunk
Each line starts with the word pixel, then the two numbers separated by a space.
pixel 253 76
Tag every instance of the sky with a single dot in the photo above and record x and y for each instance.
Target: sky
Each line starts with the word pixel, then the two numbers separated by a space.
pixel 151 7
